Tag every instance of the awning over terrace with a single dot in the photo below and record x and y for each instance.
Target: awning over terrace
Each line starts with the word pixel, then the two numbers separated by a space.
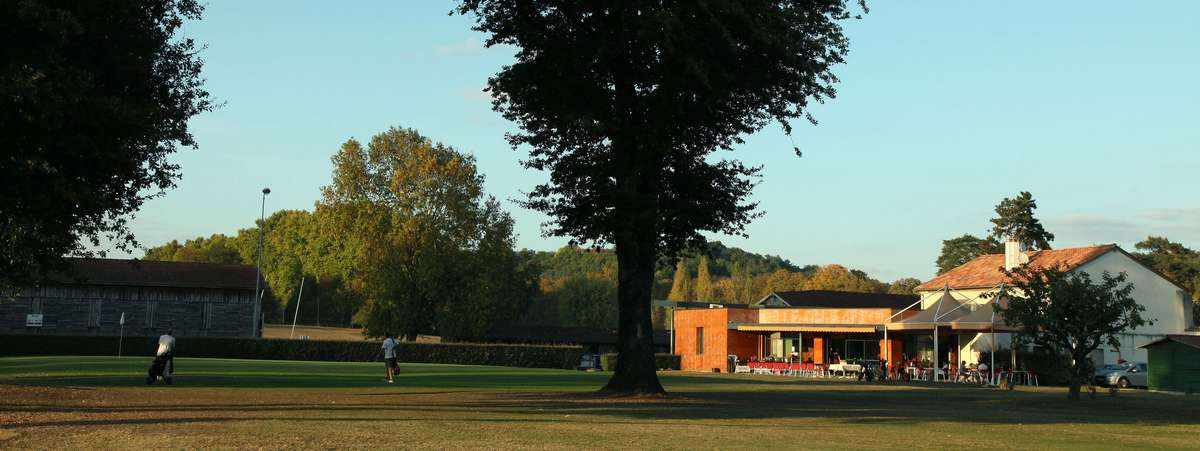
pixel 946 309
pixel 983 317
pixel 851 328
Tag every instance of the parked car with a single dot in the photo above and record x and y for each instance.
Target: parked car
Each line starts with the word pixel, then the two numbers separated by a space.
pixel 1122 375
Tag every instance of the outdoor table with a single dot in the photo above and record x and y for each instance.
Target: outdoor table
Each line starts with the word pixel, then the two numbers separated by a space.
pixel 844 368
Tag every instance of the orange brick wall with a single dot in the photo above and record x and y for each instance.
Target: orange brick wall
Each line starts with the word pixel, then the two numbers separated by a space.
pixel 719 341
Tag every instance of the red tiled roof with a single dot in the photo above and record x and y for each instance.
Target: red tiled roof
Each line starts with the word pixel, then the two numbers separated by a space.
pixel 144 273
pixel 986 270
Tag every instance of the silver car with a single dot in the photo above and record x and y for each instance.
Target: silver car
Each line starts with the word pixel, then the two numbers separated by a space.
pixel 1123 375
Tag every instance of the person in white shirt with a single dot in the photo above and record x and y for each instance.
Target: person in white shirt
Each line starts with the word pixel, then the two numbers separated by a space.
pixel 984 375
pixel 389 356
pixel 166 350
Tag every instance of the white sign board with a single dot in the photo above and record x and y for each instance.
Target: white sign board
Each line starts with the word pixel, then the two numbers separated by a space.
pixel 33 320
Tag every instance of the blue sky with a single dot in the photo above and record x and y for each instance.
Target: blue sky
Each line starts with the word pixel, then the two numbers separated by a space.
pixel 944 109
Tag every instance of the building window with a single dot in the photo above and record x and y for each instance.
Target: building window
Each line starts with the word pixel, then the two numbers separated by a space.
pixel 699 341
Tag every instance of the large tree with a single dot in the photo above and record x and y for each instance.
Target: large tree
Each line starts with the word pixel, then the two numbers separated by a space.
pixel 1071 315
pixel 1015 220
pixel 94 99
pixel 413 218
pixel 957 251
pixel 906 285
pixel 623 102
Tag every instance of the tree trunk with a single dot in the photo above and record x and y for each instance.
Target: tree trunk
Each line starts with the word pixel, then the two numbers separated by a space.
pixel 1073 389
pixel 635 373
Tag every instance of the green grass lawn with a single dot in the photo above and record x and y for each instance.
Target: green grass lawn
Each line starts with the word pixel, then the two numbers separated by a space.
pixel 96 402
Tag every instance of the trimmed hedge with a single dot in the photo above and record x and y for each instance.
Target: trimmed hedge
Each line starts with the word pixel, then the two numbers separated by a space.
pixel 608 362
pixel 527 356
pixel 1045 365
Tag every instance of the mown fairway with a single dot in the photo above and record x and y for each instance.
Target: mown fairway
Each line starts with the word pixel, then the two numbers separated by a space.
pixel 93 402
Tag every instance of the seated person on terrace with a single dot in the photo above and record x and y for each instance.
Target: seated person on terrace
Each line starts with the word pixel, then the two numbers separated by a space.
pixel 963 372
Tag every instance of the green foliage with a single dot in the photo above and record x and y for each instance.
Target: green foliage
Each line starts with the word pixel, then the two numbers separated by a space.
pixel 958 251
pixel 217 248
pixel 839 278
pixel 1048 367
pixel 589 301
pixel 1015 220
pixel 623 104
pixel 907 285
pixel 608 361
pixel 1177 262
pixel 96 97
pixel 704 285
pixel 295 246
pixel 1069 315
pixel 413 219
pixel 681 287
pixel 526 356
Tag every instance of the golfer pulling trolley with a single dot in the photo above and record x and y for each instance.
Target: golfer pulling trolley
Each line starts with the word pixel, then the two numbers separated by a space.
pixel 389 356
pixel 164 360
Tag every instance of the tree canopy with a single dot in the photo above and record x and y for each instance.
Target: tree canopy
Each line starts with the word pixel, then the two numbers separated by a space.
pixel 433 251
pixel 1014 220
pixel 96 96
pixel 1176 261
pixel 958 251
pixel 1070 315
pixel 623 102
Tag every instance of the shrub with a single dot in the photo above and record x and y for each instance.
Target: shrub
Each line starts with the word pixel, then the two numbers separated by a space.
pixel 528 356
pixel 608 362
pixel 1048 370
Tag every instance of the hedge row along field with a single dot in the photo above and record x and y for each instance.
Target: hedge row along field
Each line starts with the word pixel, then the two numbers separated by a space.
pixel 608 362
pixel 525 356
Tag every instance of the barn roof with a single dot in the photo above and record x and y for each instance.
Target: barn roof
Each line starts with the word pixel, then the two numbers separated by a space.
pixel 145 273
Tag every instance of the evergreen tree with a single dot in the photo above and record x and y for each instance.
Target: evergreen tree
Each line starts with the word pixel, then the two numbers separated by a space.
pixel 704 283
pixel 681 288
pixel 1015 220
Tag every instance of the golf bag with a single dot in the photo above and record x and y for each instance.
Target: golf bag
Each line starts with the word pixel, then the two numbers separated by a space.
pixel 161 368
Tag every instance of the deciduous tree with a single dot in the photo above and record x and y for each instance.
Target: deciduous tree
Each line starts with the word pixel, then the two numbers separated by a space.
pixel 958 251
pixel 1070 315
pixel 907 285
pixel 95 97
pixel 624 102
pixel 413 217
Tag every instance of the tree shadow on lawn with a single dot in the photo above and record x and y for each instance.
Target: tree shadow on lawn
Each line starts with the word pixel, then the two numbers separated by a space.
pixel 850 404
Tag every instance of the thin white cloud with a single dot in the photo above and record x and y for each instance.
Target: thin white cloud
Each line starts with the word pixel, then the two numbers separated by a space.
pixel 1176 224
pixel 466 46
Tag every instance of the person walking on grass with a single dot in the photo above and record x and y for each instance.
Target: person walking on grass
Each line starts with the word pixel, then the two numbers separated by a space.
pixel 389 356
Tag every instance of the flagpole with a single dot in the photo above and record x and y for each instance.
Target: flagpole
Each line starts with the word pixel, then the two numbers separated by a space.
pixel 121 338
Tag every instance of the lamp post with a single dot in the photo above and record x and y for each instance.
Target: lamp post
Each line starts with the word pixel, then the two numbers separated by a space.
pixel 255 328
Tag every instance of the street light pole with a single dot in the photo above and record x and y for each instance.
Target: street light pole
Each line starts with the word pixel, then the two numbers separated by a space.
pixel 256 321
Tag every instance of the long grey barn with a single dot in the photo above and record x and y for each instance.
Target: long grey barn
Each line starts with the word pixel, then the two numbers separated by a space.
pixel 194 299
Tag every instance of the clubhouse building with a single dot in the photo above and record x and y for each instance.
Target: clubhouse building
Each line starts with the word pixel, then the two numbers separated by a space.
pixel 950 319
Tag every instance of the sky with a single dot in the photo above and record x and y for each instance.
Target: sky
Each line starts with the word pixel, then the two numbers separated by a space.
pixel 943 109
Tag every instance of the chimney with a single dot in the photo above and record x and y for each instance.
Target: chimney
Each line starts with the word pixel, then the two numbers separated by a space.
pixel 1014 254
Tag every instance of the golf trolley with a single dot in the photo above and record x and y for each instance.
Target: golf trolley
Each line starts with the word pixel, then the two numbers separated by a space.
pixel 161 369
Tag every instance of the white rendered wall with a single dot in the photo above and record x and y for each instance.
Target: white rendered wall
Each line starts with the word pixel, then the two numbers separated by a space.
pixel 1165 303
